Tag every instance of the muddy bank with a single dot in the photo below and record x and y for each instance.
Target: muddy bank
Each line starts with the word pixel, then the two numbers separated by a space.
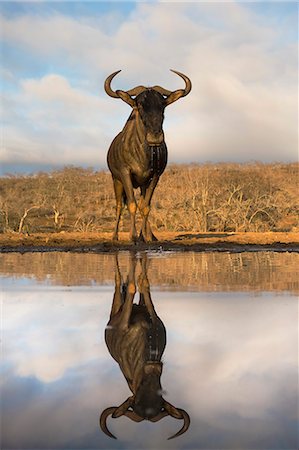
pixel 196 242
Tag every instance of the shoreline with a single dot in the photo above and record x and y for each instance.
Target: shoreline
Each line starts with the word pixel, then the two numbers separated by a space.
pixel 92 242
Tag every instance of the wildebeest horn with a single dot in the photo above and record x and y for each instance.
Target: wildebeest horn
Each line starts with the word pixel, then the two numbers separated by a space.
pixel 103 419
pixel 178 413
pixel 137 90
pixel 175 95
pixel 107 85
pixel 162 91
pixel 125 96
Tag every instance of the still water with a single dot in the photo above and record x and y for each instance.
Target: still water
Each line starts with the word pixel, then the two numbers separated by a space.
pixel 230 359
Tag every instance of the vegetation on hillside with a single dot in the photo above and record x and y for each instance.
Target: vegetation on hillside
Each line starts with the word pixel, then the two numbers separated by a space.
pixel 197 198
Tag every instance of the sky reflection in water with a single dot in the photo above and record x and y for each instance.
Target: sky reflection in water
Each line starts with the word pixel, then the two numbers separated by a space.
pixel 230 361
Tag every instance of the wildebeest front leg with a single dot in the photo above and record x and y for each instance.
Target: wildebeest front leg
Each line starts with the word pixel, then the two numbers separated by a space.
pixel 131 202
pixel 146 233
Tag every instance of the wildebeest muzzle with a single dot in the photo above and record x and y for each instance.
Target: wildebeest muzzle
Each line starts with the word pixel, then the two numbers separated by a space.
pixel 154 139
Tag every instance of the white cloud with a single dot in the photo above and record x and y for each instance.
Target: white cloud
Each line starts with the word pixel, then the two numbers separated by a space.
pixel 62 123
pixel 41 340
pixel 243 105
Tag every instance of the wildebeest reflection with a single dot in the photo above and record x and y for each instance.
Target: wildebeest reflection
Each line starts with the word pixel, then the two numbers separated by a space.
pixel 136 339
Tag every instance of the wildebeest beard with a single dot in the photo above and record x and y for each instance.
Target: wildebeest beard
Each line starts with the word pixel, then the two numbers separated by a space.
pixel 157 157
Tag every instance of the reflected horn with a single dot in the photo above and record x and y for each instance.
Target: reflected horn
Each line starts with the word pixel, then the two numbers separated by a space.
pixel 159 416
pixel 133 416
pixel 178 413
pixel 115 412
pixel 103 420
pixel 111 411
pixel 185 426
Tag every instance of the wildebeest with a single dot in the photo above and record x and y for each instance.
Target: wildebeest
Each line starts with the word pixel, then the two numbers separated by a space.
pixel 138 154
pixel 136 339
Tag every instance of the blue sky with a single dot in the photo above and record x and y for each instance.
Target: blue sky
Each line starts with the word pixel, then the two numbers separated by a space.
pixel 55 56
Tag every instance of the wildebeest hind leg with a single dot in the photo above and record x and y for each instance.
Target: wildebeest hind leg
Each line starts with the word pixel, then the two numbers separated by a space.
pixel 131 203
pixel 119 192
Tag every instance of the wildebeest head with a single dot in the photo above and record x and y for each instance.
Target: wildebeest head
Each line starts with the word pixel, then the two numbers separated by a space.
pixel 150 104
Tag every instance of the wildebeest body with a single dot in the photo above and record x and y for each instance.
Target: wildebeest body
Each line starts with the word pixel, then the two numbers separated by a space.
pixel 138 155
pixel 129 153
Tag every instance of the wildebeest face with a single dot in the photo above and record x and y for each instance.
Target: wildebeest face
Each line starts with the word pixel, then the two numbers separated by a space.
pixel 151 105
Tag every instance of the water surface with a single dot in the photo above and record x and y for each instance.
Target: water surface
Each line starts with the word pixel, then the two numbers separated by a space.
pixel 230 360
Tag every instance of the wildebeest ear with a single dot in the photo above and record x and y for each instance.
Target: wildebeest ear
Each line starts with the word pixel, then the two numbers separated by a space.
pixel 126 98
pixel 174 96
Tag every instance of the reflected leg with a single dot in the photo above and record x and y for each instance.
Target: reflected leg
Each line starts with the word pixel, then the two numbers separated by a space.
pixel 130 293
pixel 117 297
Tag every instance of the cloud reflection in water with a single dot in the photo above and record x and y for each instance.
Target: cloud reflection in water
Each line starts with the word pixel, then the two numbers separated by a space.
pixel 231 361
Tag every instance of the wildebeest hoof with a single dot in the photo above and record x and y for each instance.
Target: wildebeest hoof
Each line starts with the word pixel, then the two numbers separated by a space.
pixel 141 238
pixel 150 238
pixel 134 239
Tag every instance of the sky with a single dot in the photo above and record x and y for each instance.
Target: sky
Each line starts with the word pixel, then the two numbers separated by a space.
pixel 240 56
